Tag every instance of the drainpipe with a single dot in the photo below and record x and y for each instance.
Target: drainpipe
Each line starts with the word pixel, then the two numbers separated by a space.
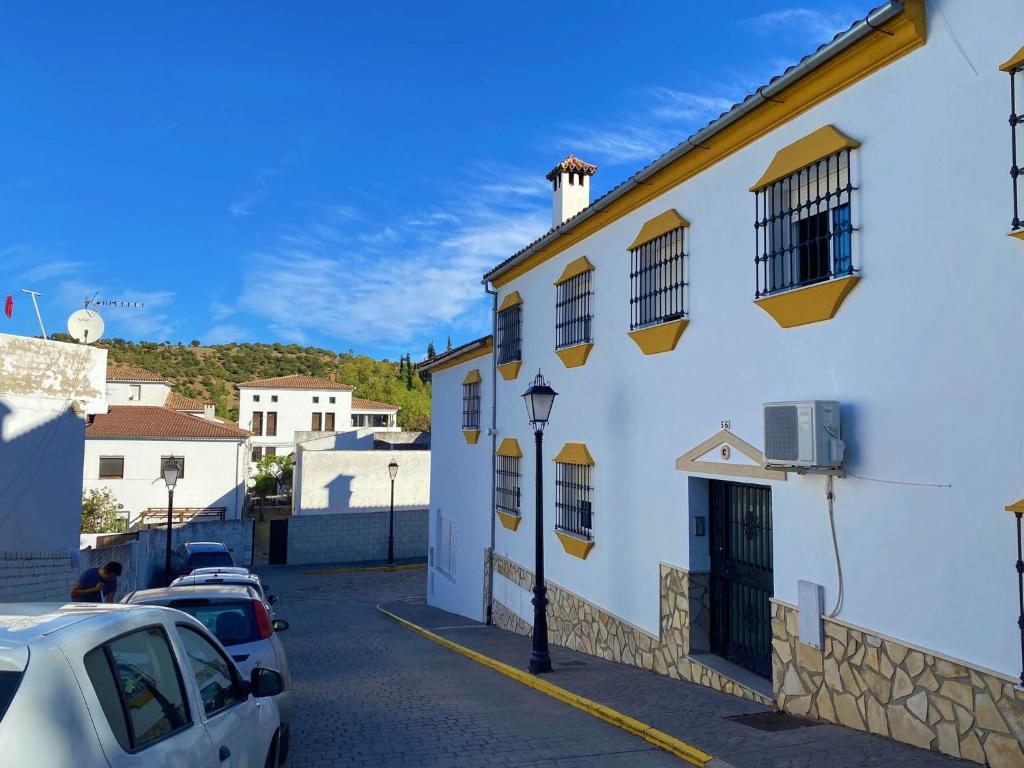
pixel 494 437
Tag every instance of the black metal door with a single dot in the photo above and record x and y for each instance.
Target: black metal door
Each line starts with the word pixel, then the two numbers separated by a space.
pixel 278 542
pixel 741 574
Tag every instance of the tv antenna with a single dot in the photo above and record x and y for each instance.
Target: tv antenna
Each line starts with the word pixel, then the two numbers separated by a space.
pixel 85 325
pixel 35 304
pixel 93 301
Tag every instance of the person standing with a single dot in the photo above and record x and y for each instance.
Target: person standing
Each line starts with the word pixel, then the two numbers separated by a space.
pixel 97 585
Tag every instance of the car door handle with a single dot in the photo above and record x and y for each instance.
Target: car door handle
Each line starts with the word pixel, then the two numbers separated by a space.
pixel 225 753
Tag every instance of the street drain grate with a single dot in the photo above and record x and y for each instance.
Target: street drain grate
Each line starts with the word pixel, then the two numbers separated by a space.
pixel 774 721
pixel 572 663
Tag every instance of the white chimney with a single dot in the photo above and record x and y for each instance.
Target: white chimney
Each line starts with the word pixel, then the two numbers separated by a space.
pixel 570 180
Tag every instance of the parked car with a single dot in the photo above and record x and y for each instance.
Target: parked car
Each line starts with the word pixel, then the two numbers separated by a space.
pixel 240 620
pixel 126 686
pixel 214 576
pixel 235 569
pixel 200 554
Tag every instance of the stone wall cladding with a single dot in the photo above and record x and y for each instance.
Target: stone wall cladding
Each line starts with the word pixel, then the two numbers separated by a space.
pixel 37 576
pixel 873 684
pixel 578 624
pixel 356 537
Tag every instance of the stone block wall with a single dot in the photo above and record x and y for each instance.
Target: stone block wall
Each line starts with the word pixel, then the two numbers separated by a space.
pixel 891 689
pixel 356 537
pixel 578 624
pixel 37 576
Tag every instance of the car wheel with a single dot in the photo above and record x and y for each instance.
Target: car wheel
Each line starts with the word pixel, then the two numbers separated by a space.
pixel 286 739
pixel 272 755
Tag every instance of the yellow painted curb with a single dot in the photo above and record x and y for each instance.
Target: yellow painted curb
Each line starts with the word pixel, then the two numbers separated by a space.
pixel 648 733
pixel 367 569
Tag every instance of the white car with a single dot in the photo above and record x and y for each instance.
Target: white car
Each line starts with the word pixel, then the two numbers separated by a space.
pixel 127 686
pixel 241 622
pixel 219 576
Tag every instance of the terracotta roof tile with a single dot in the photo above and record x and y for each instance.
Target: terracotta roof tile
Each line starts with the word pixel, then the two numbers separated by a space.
pixel 298 381
pixel 571 164
pixel 133 373
pixel 154 421
pixel 359 403
pixel 179 402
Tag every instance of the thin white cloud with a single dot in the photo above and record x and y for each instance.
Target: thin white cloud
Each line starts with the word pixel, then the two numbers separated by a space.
pixel 223 333
pixel 810 23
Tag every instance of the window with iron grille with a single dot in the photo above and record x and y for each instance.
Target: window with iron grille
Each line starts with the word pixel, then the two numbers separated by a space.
pixel 804 227
pixel 573 491
pixel 507 485
pixel 471 405
pixel 510 334
pixel 1016 140
pixel 657 279
pixel 573 316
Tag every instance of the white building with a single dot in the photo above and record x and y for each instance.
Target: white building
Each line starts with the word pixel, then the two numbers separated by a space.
pixel 275 409
pixel 873 175
pixel 125 450
pixel 131 385
pixel 47 391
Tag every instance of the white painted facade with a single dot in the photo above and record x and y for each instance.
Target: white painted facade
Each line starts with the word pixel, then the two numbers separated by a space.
pixel 137 392
pixel 460 491
pixel 214 473
pixel 920 356
pixel 47 389
pixel 328 481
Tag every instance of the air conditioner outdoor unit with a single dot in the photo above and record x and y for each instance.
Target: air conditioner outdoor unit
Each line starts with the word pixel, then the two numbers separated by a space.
pixel 805 434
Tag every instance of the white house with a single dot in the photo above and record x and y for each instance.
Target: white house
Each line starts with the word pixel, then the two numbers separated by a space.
pixel 131 385
pixel 873 178
pixel 125 450
pixel 275 409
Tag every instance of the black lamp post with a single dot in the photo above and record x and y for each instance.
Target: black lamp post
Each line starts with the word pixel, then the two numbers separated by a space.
pixel 539 398
pixel 393 471
pixel 171 471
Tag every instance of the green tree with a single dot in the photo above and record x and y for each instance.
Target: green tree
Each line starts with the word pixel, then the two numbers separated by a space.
pixel 430 350
pixel 100 511
pixel 194 343
pixel 449 347
pixel 408 372
pixel 272 472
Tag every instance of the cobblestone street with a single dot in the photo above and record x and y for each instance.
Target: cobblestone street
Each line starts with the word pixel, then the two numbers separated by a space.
pixel 370 693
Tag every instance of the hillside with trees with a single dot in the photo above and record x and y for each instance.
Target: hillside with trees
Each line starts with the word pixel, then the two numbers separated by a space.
pixel 210 373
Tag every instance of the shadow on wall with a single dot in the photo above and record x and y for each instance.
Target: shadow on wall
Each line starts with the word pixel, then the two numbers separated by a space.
pixel 339 500
pixel 41 483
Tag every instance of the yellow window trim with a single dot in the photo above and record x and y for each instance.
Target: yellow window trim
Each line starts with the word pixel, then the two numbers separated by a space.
pixel 510 447
pixel 1018 506
pixel 1019 234
pixel 896 38
pixel 660 225
pixel 575 356
pixel 823 142
pixel 473 377
pixel 510 371
pixel 471 435
pixel 575 453
pixel 810 304
pixel 510 301
pixel 509 521
pixel 574 268
pixel 655 339
pixel 1014 61
pixel 574 545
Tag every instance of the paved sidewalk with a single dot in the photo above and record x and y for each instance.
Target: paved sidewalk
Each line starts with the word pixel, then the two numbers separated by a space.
pixel 695 714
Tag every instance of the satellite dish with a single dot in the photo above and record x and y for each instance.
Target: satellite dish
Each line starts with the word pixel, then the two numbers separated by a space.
pixel 85 326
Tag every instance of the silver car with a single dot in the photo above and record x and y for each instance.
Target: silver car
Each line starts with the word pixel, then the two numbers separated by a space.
pixel 238 617
pixel 217 576
pixel 127 687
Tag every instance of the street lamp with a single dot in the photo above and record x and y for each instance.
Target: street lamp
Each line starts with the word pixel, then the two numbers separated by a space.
pixel 393 471
pixel 171 472
pixel 539 398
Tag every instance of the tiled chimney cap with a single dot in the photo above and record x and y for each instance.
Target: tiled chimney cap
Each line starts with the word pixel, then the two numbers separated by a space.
pixel 572 164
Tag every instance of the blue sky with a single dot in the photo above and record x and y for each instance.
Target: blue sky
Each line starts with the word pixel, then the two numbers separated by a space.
pixel 333 173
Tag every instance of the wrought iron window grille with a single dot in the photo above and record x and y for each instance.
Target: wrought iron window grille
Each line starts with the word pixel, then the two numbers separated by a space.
pixel 510 334
pixel 573 313
pixel 573 499
pixel 803 226
pixel 658 281
pixel 471 406
pixel 508 483
pixel 1016 140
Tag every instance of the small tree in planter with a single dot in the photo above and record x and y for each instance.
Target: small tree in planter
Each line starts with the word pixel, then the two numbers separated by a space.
pixel 271 472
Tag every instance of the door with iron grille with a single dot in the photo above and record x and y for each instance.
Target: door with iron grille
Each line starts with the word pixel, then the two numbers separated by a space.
pixel 741 574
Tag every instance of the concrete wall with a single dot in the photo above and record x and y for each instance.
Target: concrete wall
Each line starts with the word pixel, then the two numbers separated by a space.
pixel 214 473
pixel 46 388
pixel 356 538
pixel 294 408
pixel 460 489
pixel 328 482
pixel 150 393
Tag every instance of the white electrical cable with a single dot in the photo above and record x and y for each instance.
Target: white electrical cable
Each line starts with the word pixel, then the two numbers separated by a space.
pixel 830 495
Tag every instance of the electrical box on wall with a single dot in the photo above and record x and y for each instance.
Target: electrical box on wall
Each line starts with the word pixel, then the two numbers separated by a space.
pixel 803 434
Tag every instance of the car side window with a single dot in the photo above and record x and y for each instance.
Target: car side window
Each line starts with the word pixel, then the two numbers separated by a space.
pixel 139 687
pixel 215 677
